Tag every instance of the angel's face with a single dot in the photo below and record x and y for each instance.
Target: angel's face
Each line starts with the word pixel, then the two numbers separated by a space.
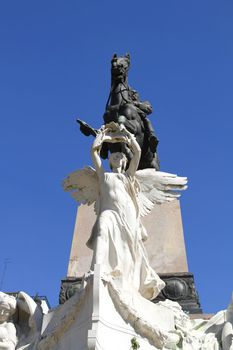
pixel 5 313
pixel 117 160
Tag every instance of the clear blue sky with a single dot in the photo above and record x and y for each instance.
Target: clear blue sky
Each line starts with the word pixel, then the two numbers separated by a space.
pixel 55 66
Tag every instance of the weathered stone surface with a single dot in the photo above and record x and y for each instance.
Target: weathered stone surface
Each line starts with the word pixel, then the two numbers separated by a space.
pixel 165 244
pixel 80 254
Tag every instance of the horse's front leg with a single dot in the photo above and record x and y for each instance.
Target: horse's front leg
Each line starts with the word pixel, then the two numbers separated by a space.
pixel 111 114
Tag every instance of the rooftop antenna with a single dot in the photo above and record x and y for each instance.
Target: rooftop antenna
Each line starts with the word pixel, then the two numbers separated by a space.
pixel 5 264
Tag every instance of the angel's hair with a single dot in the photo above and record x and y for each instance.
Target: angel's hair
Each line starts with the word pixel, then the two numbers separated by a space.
pixel 124 162
pixel 8 302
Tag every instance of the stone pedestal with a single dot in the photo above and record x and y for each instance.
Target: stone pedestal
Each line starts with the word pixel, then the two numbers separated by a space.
pixel 109 313
pixel 96 318
pixel 165 244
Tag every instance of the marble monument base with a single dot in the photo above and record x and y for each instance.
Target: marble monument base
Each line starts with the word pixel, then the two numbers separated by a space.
pixel 179 287
pixel 98 316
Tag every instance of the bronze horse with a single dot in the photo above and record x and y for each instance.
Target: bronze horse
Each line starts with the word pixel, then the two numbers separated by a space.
pixel 123 106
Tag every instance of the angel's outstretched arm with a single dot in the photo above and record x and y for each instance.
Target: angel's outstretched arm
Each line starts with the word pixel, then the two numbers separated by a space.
pixel 136 150
pixel 95 154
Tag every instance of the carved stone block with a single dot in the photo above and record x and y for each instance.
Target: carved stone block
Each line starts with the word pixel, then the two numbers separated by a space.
pixel 179 287
pixel 69 286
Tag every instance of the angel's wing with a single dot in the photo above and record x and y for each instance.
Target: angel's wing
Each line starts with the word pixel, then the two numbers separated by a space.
pixel 83 185
pixel 157 187
pixel 30 318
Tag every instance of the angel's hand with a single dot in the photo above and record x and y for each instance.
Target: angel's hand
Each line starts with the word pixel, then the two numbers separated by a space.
pixel 114 135
pixel 130 138
pixel 125 131
pixel 111 138
pixel 97 144
pixel 122 127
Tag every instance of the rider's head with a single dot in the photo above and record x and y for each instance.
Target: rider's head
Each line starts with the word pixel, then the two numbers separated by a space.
pixel 134 95
pixel 118 160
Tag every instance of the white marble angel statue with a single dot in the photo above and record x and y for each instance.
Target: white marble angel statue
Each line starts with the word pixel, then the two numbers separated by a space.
pixel 121 198
pixel 20 322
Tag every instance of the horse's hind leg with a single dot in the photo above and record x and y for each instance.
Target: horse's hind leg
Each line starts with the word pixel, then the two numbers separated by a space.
pixel 150 133
pixel 155 162
pixel 149 160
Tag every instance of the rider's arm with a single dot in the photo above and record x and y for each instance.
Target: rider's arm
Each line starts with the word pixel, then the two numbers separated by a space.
pixel 144 106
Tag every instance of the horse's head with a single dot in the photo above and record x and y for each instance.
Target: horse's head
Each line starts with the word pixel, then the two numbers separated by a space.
pixel 120 67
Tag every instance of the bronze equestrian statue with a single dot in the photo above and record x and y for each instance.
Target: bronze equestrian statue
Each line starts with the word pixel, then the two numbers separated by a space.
pixel 124 106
